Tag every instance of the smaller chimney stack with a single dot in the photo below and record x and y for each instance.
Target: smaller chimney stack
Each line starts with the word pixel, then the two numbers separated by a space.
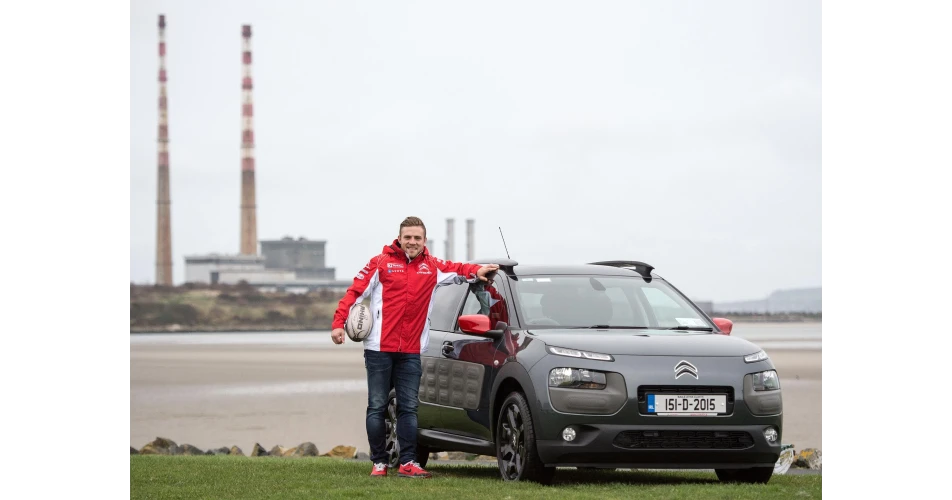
pixel 449 239
pixel 470 245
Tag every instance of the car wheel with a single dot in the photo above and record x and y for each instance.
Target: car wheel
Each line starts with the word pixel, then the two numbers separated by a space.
pixel 516 451
pixel 752 475
pixel 393 444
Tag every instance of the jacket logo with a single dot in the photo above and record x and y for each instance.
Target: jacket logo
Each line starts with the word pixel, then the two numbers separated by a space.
pixel 392 265
pixel 685 368
pixel 424 267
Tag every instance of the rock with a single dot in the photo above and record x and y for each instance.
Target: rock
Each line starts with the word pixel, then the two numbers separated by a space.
pixel 809 458
pixel 133 451
pixel 278 451
pixel 160 446
pixel 341 451
pixel 434 456
pixel 236 451
pixel 219 451
pixel 456 455
pixel 258 451
pixel 362 456
pixel 485 458
pixel 785 460
pixel 307 449
pixel 188 449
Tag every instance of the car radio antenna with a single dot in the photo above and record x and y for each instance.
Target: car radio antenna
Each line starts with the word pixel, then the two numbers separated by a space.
pixel 504 243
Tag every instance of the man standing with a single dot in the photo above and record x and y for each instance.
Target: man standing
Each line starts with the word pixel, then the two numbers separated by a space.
pixel 399 283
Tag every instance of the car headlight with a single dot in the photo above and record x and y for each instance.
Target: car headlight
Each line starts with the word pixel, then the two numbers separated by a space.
pixel 766 381
pixel 755 357
pixel 576 378
pixel 573 353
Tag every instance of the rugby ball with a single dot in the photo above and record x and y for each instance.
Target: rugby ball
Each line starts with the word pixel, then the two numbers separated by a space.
pixel 359 323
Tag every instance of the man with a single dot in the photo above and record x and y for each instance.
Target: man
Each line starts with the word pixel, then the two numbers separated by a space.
pixel 399 283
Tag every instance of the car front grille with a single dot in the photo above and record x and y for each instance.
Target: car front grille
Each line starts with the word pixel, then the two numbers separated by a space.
pixel 688 440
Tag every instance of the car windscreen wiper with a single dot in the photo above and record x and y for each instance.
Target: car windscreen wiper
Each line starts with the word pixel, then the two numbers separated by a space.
pixel 616 327
pixel 692 328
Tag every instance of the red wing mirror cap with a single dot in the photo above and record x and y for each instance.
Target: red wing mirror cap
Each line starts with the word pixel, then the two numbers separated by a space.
pixel 724 324
pixel 474 323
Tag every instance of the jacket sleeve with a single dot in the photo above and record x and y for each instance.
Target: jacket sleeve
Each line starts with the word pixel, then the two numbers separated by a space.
pixel 364 283
pixel 455 272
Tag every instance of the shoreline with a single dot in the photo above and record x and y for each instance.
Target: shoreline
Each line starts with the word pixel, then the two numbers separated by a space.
pixel 326 328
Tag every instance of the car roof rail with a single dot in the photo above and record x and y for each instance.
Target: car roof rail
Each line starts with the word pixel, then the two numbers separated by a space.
pixel 642 268
pixel 504 264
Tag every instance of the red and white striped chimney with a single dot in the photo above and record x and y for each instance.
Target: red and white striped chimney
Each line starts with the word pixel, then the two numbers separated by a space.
pixel 163 241
pixel 249 224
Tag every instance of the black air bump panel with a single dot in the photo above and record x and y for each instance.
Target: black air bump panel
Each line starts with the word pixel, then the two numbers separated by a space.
pixel 449 382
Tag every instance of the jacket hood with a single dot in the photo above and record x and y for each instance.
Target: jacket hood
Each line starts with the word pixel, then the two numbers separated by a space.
pixel 647 342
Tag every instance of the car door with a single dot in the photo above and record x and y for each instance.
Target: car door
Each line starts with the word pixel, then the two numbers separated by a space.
pixel 470 361
pixel 446 305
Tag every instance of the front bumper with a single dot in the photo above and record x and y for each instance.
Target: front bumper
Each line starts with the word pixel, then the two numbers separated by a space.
pixel 662 447
pixel 615 429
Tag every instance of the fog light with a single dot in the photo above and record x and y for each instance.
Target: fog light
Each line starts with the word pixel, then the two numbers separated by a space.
pixel 770 434
pixel 568 434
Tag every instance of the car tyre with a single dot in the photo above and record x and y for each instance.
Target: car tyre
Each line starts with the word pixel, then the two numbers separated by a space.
pixel 516 452
pixel 393 443
pixel 753 475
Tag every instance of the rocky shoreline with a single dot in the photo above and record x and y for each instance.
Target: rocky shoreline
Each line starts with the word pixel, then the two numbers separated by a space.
pixel 809 458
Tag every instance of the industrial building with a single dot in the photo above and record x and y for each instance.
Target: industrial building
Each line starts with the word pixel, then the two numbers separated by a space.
pixel 287 264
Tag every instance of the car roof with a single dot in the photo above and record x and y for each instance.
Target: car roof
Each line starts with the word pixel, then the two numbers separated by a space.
pixel 604 268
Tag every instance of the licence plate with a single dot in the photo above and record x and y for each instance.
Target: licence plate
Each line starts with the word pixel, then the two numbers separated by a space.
pixel 687 405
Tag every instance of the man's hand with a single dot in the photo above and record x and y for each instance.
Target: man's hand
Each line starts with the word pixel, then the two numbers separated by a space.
pixel 337 335
pixel 483 271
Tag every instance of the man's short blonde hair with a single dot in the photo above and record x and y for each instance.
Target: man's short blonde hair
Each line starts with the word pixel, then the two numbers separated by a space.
pixel 412 222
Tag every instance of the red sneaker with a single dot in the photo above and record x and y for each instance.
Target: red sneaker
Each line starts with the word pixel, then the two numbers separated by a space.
pixel 379 470
pixel 413 469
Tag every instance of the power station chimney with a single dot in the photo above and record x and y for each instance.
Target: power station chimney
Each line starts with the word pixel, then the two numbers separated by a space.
pixel 163 240
pixel 449 240
pixel 470 251
pixel 249 222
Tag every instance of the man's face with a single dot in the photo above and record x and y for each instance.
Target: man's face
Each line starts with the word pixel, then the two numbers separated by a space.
pixel 412 240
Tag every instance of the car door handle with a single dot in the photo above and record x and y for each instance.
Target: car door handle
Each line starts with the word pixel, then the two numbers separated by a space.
pixel 448 349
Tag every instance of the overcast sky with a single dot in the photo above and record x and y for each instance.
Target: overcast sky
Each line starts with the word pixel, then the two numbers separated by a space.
pixel 683 134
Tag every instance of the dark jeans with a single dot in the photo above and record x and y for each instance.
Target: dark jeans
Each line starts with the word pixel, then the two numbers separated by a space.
pixel 404 371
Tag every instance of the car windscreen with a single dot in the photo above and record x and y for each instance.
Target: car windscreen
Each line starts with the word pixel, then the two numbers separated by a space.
pixel 575 301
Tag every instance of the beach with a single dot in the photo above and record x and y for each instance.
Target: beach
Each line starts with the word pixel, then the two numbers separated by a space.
pixel 212 390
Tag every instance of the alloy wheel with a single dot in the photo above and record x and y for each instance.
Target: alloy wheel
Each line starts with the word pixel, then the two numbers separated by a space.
pixel 512 450
pixel 393 444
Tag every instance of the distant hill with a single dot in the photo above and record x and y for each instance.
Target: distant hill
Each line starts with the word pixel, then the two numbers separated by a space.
pixel 796 300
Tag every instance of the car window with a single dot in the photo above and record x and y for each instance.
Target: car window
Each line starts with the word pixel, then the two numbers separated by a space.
pixel 578 301
pixel 622 310
pixel 488 300
pixel 445 306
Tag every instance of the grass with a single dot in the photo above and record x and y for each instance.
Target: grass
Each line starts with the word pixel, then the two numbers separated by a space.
pixel 154 476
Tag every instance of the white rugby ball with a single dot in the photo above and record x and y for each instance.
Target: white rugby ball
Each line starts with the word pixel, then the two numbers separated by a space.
pixel 359 322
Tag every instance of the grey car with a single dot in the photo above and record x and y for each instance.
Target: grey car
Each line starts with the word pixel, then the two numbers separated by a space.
pixel 604 365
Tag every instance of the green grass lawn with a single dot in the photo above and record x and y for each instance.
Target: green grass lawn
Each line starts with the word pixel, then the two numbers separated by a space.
pixel 190 477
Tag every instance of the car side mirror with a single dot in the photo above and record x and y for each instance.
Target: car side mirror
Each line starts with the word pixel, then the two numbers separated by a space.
pixel 725 325
pixel 474 323
pixel 479 325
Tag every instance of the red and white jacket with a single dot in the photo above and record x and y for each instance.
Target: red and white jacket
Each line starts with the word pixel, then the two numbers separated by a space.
pixel 401 296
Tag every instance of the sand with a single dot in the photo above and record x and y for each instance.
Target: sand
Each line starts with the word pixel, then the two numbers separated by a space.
pixel 211 396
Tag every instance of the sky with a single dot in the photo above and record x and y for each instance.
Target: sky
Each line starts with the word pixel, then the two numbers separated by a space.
pixel 682 134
